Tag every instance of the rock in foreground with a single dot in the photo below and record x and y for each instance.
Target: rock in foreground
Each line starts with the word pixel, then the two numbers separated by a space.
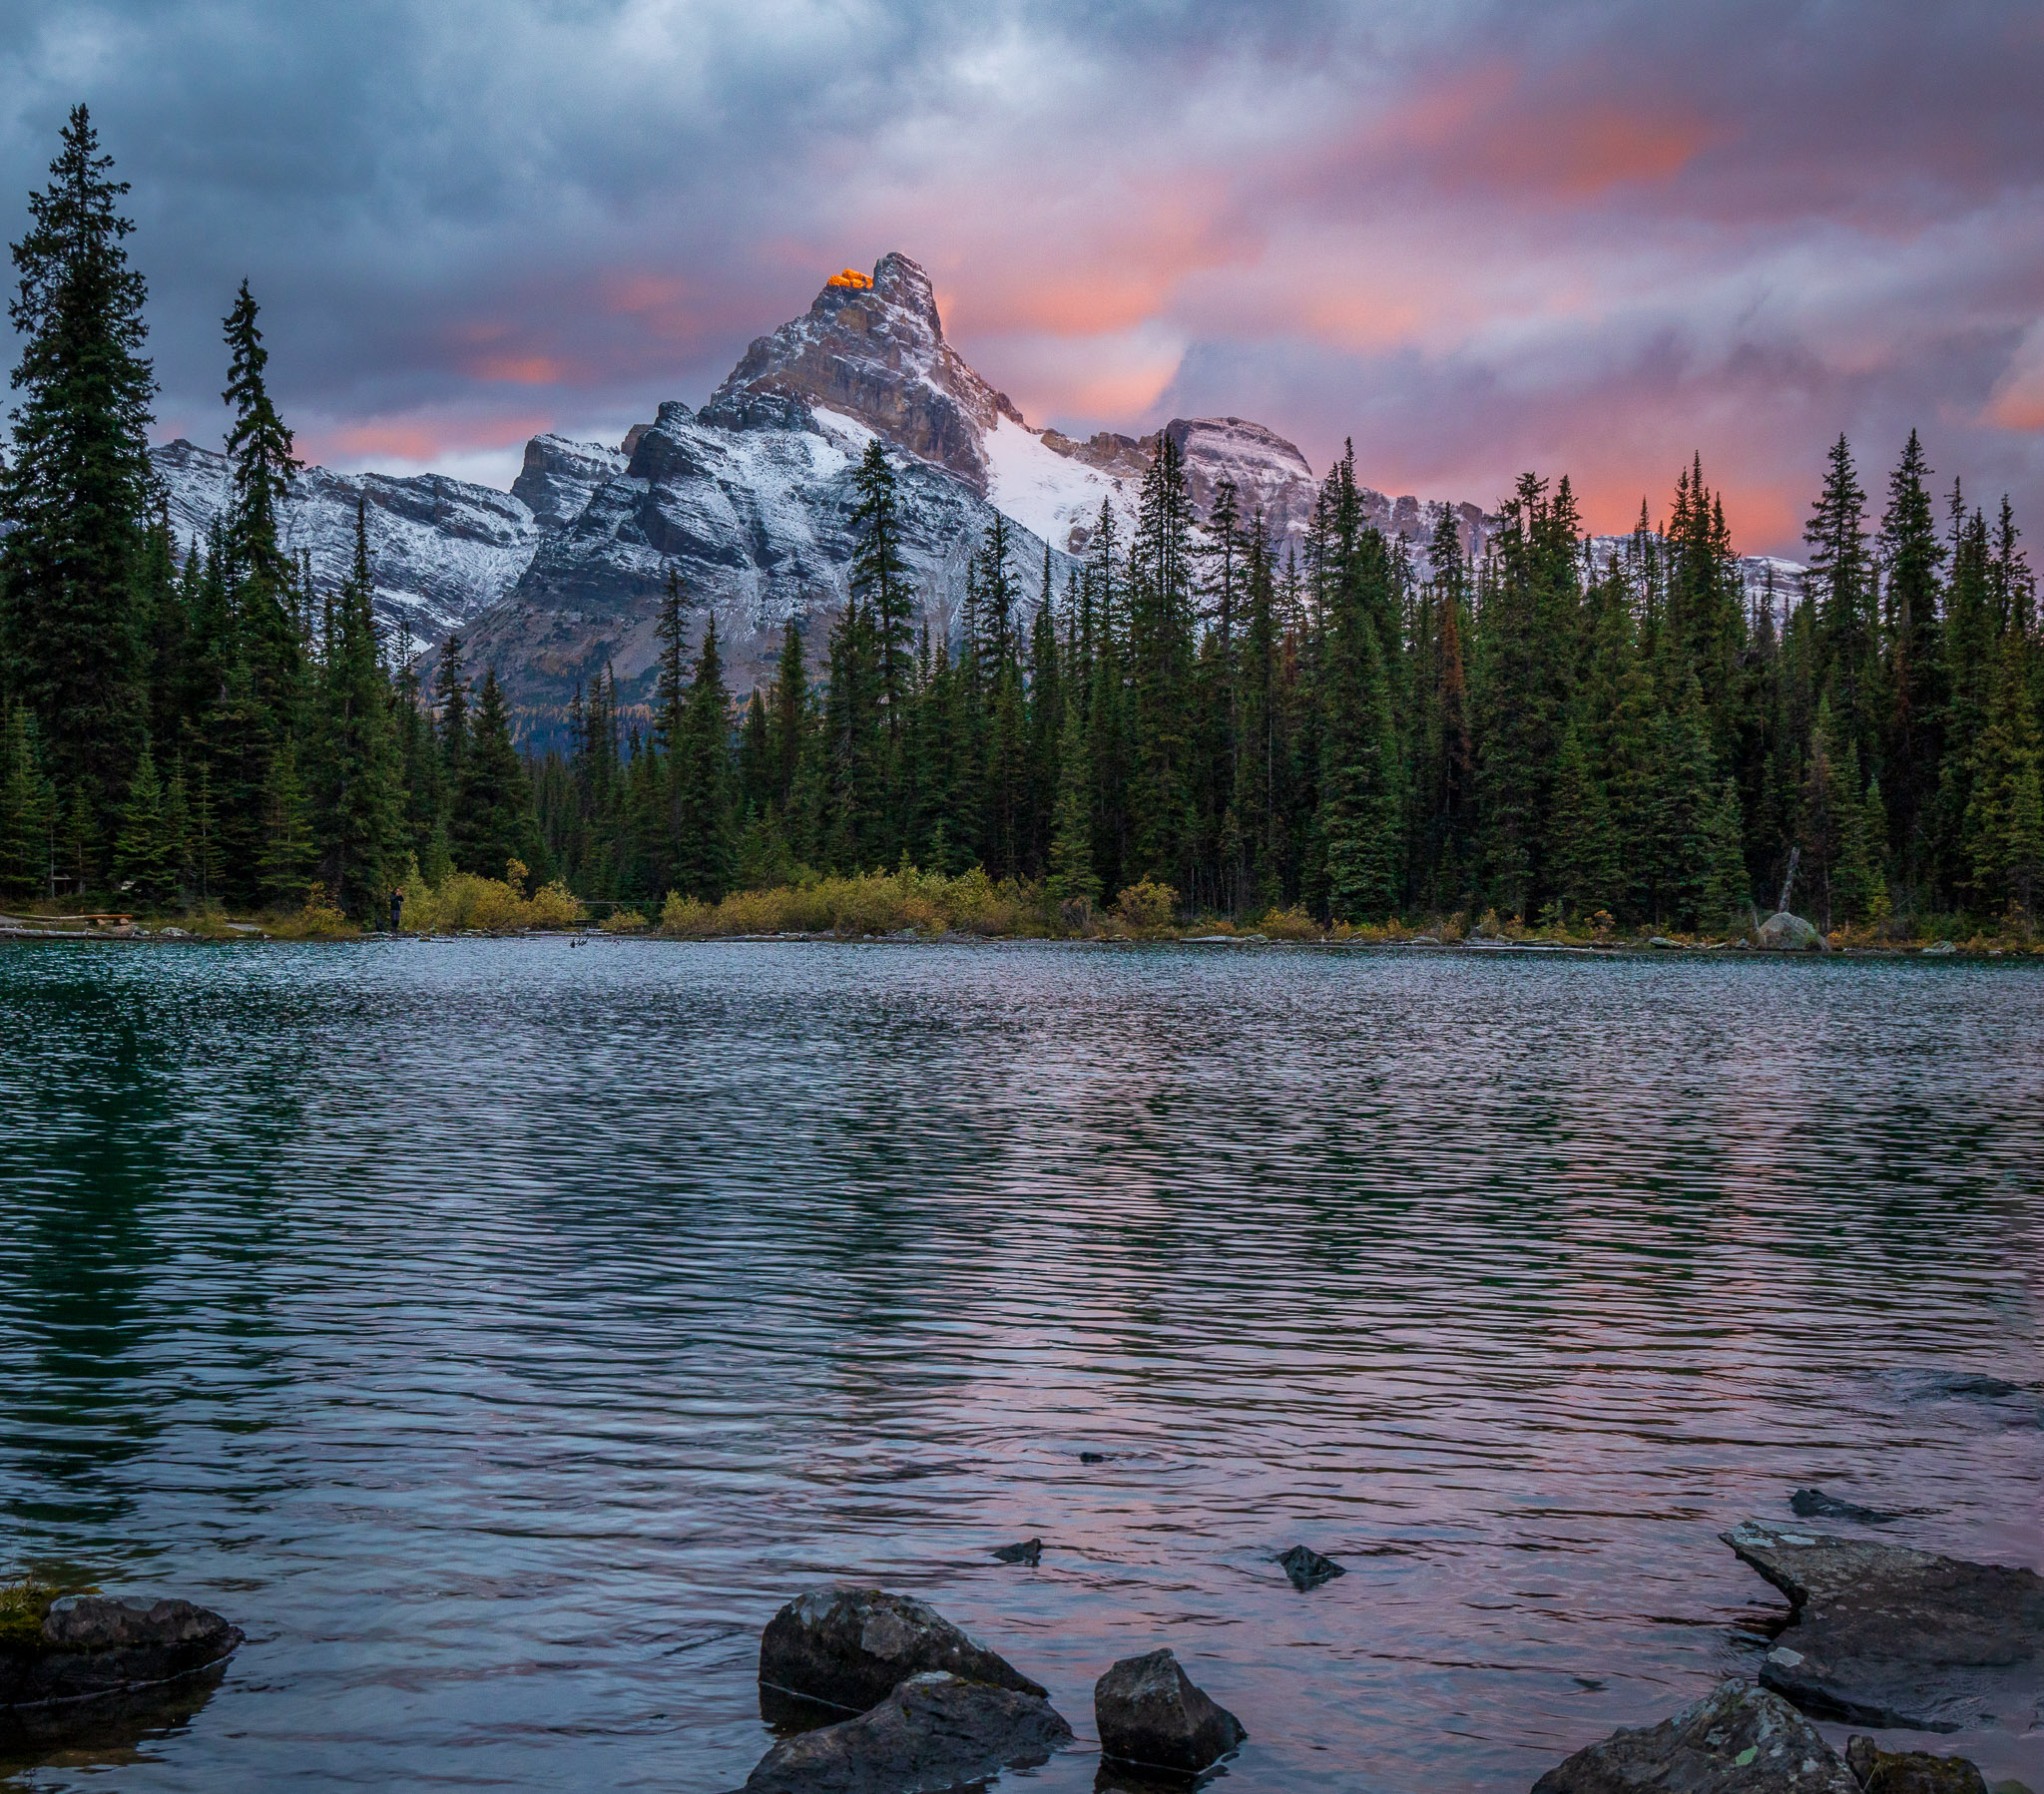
pixel 1911 1771
pixel 1307 1568
pixel 934 1732
pixel 852 1647
pixel 1888 1636
pixel 1149 1712
pixel 94 1644
pixel 1738 1739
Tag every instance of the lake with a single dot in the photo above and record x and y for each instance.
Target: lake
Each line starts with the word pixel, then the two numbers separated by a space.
pixel 500 1331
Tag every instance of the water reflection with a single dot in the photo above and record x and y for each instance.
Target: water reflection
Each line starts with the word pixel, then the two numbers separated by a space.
pixel 501 1335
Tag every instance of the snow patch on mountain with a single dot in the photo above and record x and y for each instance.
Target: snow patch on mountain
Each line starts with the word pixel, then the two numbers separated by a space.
pixel 1053 494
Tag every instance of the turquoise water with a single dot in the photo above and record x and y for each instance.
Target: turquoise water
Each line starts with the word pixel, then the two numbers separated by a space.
pixel 501 1330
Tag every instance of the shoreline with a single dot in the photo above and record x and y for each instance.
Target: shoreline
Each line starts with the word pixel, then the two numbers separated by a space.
pixel 250 933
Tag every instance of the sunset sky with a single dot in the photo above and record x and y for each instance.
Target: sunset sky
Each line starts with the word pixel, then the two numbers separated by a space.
pixel 1582 237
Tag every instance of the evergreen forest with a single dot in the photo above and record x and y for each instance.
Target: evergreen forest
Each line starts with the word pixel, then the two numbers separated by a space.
pixel 1340 730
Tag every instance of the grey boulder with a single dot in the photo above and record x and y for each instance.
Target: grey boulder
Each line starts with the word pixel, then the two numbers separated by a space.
pixel 934 1732
pixel 1738 1739
pixel 1148 1711
pixel 95 1644
pixel 852 1647
pixel 1888 1636
pixel 1911 1771
pixel 1028 1551
pixel 1784 933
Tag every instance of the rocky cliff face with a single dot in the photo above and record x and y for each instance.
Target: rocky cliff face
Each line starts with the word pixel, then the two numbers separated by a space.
pixel 756 518
pixel 878 354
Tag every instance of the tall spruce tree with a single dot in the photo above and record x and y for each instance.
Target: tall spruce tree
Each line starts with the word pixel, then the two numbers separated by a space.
pixel 75 494
pixel 261 458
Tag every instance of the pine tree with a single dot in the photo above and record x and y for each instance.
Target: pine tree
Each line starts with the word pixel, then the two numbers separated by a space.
pixel 671 688
pixel 145 860
pixel 1912 739
pixel 1726 894
pixel 494 822
pixel 1583 859
pixel 1161 595
pixel 360 790
pixel 28 807
pixel 1070 877
pixel 788 714
pixel 1839 583
pixel 879 581
pixel 258 450
pixel 2002 820
pixel 450 700
pixel 288 853
pixel 75 493
pixel 858 837
pixel 703 859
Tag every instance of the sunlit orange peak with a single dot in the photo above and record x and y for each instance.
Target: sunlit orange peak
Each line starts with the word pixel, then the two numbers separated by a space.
pixel 850 277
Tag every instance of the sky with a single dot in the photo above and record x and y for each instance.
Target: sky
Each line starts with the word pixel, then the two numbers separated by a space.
pixel 1587 236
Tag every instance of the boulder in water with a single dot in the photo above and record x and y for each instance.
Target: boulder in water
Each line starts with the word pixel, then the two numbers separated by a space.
pixel 934 1731
pixel 1028 1551
pixel 1911 1771
pixel 1813 1503
pixel 1784 933
pixel 852 1647
pixel 1148 1711
pixel 1888 1636
pixel 1307 1568
pixel 96 1644
pixel 1738 1739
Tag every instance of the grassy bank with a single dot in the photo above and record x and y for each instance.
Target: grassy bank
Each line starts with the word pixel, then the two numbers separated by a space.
pixel 929 905
pixel 909 902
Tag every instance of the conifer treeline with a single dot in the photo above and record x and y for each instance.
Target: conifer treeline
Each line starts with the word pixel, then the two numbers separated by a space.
pixel 1544 733
pixel 1541 733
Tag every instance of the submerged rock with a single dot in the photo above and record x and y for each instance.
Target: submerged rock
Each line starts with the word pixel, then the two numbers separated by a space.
pixel 1029 1551
pixel 1307 1568
pixel 933 1732
pixel 1911 1771
pixel 1738 1739
pixel 1888 1636
pixel 1148 1711
pixel 852 1647
pixel 1813 1503
pixel 95 1644
pixel 1784 933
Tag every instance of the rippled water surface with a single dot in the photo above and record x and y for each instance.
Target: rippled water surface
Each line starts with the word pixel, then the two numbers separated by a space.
pixel 499 1331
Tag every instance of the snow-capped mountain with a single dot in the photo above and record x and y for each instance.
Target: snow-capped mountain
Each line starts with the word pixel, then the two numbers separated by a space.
pixel 441 551
pixel 750 500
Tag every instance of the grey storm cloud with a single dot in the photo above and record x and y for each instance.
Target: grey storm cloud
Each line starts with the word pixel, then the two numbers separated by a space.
pixel 1594 235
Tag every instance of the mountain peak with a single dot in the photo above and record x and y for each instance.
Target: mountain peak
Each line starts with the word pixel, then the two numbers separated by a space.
pixel 874 350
